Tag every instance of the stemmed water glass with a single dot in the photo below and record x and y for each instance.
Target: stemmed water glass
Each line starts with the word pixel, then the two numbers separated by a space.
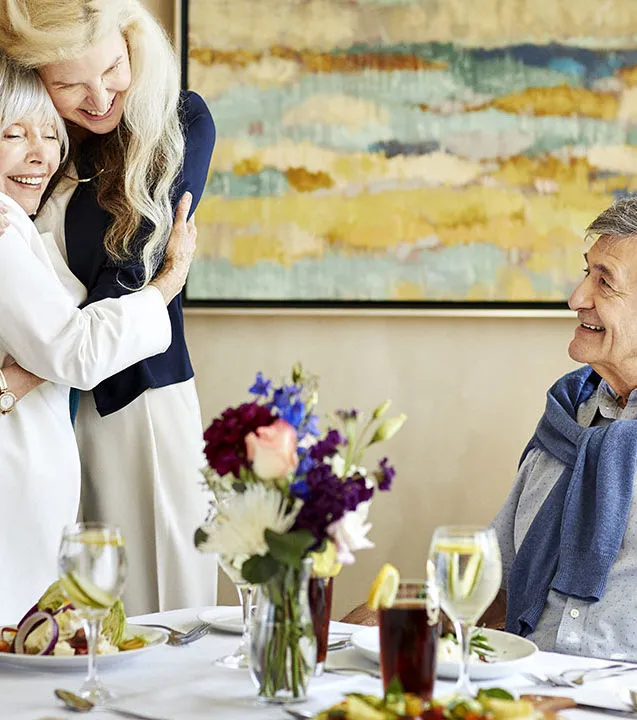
pixel 468 571
pixel 240 658
pixel 92 569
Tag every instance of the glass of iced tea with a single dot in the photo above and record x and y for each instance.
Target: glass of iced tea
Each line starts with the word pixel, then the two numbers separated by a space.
pixel 321 608
pixel 409 631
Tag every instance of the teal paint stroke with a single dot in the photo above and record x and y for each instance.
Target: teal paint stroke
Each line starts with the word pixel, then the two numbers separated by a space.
pixel 443 274
pixel 267 183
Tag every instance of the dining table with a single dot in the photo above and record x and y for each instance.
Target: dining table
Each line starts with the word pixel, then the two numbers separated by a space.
pixel 175 683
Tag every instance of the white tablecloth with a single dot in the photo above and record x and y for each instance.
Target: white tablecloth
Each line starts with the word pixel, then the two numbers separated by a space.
pixel 174 683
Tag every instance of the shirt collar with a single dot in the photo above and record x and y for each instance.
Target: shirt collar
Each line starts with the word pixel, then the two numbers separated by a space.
pixel 604 401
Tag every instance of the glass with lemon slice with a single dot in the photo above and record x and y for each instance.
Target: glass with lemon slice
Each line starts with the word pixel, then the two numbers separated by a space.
pixel 468 571
pixel 92 569
pixel 408 623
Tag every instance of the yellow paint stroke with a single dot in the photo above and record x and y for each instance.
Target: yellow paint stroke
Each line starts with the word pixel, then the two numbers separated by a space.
pixel 371 223
pixel 628 75
pixel 248 166
pixel 317 62
pixel 406 290
pixel 324 25
pixel 562 100
pixel 613 158
pixel 520 170
pixel 362 168
pixel 305 181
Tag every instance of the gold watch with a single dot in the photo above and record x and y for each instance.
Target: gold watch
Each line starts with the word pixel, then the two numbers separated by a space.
pixel 7 398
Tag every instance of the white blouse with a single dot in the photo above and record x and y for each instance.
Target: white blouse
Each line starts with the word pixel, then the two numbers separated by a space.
pixel 44 331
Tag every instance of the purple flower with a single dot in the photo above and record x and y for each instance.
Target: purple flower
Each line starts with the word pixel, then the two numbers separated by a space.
pixel 384 474
pixel 261 385
pixel 328 499
pixel 225 438
pixel 328 446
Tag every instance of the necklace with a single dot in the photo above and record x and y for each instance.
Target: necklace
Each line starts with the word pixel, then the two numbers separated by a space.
pixel 85 180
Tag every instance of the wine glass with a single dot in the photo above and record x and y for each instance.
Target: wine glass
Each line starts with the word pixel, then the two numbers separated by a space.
pixel 92 569
pixel 240 658
pixel 468 571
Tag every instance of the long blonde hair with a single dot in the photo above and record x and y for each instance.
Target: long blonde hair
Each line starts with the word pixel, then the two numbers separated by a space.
pixel 145 153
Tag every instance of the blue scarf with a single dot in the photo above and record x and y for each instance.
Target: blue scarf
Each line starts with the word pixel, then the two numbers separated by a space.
pixel 577 532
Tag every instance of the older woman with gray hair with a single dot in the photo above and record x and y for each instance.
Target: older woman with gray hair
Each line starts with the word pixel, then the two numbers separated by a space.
pixel 568 530
pixel 48 344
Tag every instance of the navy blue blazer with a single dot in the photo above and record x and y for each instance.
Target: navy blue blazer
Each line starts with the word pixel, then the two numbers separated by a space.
pixel 86 225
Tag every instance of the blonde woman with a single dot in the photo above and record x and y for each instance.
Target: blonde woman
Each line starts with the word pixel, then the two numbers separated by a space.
pixel 137 145
pixel 42 329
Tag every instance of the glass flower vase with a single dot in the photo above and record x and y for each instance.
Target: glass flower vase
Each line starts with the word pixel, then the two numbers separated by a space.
pixel 282 641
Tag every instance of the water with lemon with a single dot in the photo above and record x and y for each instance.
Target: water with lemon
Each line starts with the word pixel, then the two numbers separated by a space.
pixel 92 570
pixel 468 573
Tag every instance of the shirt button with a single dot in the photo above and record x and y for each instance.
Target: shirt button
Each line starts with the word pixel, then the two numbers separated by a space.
pixel 574 613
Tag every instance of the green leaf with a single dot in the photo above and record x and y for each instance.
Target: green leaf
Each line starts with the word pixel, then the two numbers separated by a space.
pixel 495 692
pixel 259 568
pixel 394 690
pixel 289 548
pixel 201 537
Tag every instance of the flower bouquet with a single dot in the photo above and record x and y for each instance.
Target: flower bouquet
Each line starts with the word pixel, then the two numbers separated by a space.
pixel 285 497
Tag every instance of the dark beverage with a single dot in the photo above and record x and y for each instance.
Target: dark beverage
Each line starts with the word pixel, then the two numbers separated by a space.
pixel 321 608
pixel 408 643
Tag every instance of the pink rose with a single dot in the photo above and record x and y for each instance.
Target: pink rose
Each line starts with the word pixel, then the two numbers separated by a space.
pixel 272 450
pixel 349 534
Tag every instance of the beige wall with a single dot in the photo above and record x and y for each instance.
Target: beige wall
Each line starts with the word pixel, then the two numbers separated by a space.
pixel 473 389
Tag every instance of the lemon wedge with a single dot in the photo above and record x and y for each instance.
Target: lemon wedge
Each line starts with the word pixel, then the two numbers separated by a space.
pixel 460 588
pixel 384 588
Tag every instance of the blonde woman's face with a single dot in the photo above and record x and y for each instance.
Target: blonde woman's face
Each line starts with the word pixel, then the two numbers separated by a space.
pixel 89 91
pixel 29 156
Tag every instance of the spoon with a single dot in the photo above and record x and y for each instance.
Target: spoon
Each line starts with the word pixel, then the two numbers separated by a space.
pixel 79 704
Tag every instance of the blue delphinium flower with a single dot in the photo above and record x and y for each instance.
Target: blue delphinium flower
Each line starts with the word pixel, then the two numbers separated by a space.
pixel 261 385
pixel 294 413
pixel 300 489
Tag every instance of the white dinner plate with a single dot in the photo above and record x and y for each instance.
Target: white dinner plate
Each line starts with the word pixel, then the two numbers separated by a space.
pixel 510 651
pixel 154 638
pixel 227 620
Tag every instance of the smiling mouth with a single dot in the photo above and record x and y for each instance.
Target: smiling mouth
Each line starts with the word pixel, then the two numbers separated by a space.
pixel 29 182
pixel 93 115
pixel 594 328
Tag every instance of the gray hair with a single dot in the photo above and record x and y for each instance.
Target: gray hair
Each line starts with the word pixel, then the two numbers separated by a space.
pixel 23 96
pixel 619 220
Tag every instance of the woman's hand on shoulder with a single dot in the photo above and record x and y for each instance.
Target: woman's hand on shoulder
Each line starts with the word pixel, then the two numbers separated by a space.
pixel 180 251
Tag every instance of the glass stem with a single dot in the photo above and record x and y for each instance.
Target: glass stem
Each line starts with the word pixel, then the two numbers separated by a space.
pixel 463 635
pixel 92 630
pixel 245 597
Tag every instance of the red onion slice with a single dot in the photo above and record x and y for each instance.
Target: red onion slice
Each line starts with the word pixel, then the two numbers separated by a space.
pixel 29 625
pixel 30 612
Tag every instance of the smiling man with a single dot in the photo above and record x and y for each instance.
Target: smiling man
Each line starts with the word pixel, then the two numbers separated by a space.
pixel 568 530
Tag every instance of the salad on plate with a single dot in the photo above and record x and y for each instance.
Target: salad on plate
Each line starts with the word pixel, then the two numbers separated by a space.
pixel 53 627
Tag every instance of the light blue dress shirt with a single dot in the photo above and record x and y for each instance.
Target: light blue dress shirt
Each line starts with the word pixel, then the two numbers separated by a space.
pixel 607 628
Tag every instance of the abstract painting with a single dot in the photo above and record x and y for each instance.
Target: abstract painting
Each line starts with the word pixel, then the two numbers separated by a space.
pixel 408 152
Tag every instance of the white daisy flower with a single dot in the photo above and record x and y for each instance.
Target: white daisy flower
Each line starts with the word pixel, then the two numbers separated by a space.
pixel 239 528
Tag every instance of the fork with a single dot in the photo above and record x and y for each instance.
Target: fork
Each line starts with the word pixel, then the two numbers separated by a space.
pixel 177 638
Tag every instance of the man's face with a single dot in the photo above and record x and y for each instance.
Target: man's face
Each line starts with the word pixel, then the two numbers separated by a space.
pixel 606 306
pixel 90 91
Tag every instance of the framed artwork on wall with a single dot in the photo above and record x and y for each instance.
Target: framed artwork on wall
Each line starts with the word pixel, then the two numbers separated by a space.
pixel 407 153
